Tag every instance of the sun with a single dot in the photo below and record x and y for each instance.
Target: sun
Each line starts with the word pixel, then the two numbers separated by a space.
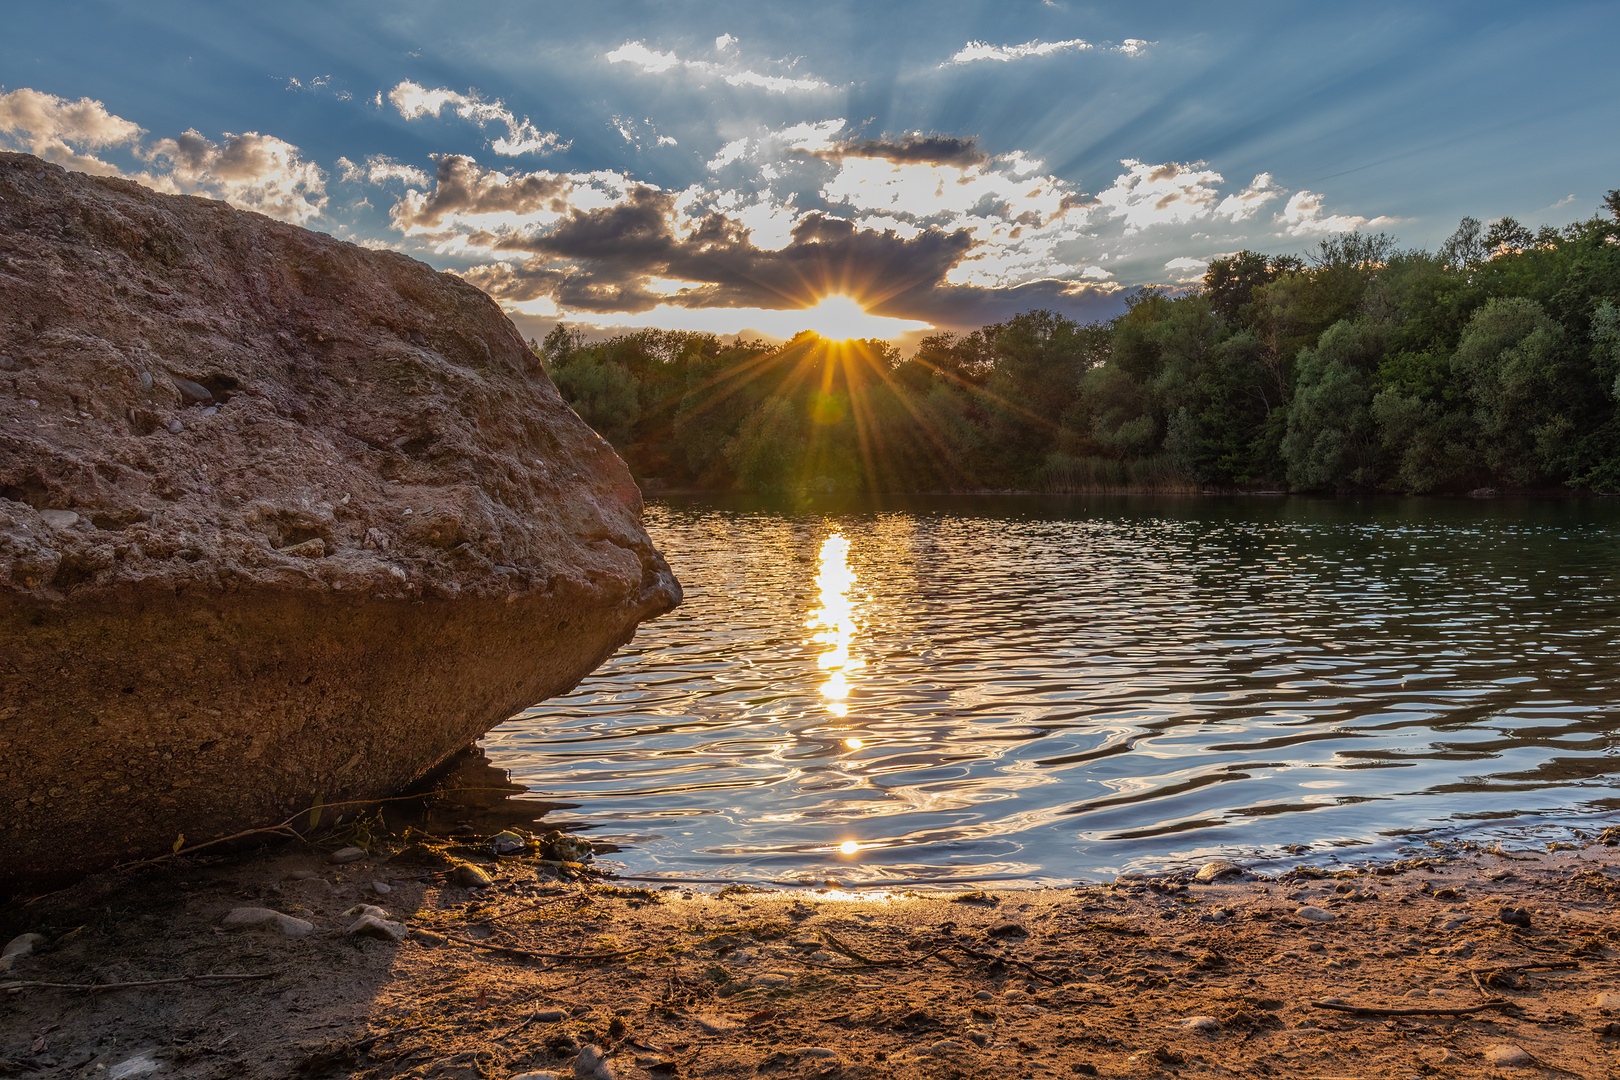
pixel 841 317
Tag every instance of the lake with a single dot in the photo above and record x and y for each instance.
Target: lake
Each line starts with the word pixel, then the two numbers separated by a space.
pixel 1027 690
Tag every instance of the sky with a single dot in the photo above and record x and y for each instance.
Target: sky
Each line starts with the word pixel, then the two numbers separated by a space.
pixel 725 166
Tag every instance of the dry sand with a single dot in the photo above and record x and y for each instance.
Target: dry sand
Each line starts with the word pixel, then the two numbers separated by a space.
pixel 539 975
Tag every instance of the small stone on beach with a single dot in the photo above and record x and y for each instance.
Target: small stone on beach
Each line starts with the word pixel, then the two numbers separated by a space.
pixel 1507 1054
pixel 372 926
pixel 470 877
pixel 1204 1025
pixel 243 918
pixel 1314 914
pixel 1214 871
pixel 346 855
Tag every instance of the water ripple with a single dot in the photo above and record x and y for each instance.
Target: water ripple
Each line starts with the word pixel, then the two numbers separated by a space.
pixel 1023 689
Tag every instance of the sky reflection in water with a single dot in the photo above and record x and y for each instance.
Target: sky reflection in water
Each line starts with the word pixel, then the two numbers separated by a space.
pixel 1045 690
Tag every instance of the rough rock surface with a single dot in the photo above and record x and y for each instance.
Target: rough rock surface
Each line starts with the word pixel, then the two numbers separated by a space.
pixel 283 522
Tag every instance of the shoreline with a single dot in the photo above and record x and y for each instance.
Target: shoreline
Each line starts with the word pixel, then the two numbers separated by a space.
pixel 1475 960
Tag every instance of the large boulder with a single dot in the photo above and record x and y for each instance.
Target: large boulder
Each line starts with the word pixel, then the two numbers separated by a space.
pixel 284 522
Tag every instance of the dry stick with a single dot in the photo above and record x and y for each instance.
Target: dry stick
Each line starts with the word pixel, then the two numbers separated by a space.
pixel 1495 968
pixel 97 987
pixel 526 954
pixel 580 897
pixel 1373 1010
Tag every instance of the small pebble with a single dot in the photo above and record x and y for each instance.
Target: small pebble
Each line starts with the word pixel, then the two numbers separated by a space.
pixel 1315 914
pixel 1507 1054
pixel 381 888
pixel 550 1016
pixel 374 927
pixel 246 917
pixel 1214 871
pixel 176 427
pixel 300 875
pixel 19 947
pixel 1515 917
pixel 470 877
pixel 1205 1025
pixel 429 938
pixel 944 1048
pixel 815 1052
pixel 592 1065
pixel 984 995
pixel 346 855
pixel 1611 1002
pixel 771 980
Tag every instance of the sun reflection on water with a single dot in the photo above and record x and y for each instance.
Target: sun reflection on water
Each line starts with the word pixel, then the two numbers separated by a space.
pixel 834 622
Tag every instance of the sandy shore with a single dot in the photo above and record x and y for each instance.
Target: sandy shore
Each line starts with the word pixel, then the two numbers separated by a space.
pixel 1405 970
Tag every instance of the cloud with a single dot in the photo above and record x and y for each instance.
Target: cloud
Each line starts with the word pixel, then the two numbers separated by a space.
pixel 652 62
pixel 980 50
pixel 1246 203
pixel 50 127
pixel 975 51
pixel 1171 193
pixel 319 84
pixel 926 149
pixel 522 137
pixel 253 171
pixel 462 188
pixel 380 169
pixel 1305 216
pixel 609 256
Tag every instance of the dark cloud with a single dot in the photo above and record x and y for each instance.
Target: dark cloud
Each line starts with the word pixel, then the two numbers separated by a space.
pixel 463 186
pixel 603 260
pixel 927 149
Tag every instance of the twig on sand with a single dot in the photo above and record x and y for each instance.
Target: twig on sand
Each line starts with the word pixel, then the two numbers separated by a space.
pixel 100 987
pixel 577 897
pixel 529 955
pixel 1373 1010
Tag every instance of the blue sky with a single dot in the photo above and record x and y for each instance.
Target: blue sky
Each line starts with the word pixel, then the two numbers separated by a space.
pixel 636 164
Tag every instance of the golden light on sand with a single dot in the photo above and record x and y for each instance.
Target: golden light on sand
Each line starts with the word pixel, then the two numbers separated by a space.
pixel 834 622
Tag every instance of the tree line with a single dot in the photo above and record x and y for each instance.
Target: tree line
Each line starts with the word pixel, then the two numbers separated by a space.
pixel 1358 366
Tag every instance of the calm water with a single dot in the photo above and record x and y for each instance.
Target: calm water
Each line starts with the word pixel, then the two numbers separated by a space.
pixel 1025 689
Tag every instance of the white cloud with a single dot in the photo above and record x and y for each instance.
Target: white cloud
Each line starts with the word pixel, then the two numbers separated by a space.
pixel 1246 203
pixel 522 137
pixel 981 50
pixel 1164 194
pixel 1305 216
pixel 656 63
pixel 51 127
pixel 319 84
pixel 379 169
pixel 253 171
pixel 975 51
pixel 1186 270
